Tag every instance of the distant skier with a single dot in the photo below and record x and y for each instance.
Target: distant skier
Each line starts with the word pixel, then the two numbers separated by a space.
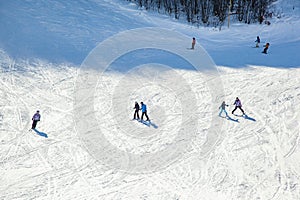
pixel 193 43
pixel 144 111
pixel 238 104
pixel 266 48
pixel 36 117
pixel 136 112
pixel 222 109
pixel 257 41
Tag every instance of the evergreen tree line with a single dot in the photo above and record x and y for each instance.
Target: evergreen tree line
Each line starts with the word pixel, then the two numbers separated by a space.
pixel 211 12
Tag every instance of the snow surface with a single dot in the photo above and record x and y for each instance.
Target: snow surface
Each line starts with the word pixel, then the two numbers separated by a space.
pixel 43 44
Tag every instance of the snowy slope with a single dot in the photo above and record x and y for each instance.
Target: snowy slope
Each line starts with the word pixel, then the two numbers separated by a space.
pixel 63 31
pixel 253 158
pixel 59 31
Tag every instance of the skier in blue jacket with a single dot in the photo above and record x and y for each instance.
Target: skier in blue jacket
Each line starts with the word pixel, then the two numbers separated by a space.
pixel 222 109
pixel 144 111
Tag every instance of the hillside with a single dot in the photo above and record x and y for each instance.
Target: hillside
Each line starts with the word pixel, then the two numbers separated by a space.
pixel 81 64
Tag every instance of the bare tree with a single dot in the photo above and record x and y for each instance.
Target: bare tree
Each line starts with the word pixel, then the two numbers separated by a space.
pixel 210 11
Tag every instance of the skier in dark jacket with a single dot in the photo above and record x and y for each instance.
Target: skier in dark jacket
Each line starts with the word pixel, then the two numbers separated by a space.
pixel 238 104
pixel 144 111
pixel 257 41
pixel 36 117
pixel 266 48
pixel 136 112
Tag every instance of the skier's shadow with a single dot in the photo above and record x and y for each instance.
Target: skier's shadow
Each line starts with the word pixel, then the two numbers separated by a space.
pixel 154 125
pixel 41 133
pixel 149 123
pixel 246 117
pixel 231 119
pixel 249 118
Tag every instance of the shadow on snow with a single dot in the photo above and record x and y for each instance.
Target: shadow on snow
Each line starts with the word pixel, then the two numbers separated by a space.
pixel 247 117
pixel 231 119
pixel 148 123
pixel 41 133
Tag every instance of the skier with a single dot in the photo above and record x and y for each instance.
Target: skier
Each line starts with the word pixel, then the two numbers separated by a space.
pixel 193 43
pixel 144 111
pixel 136 112
pixel 36 117
pixel 257 41
pixel 238 104
pixel 222 107
pixel 266 48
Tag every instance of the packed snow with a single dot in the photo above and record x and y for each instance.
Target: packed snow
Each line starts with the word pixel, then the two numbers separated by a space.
pixel 187 152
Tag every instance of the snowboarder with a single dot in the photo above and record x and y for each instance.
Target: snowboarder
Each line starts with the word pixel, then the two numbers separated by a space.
pixel 238 104
pixel 36 117
pixel 222 107
pixel 257 41
pixel 193 43
pixel 136 112
pixel 144 111
pixel 266 48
